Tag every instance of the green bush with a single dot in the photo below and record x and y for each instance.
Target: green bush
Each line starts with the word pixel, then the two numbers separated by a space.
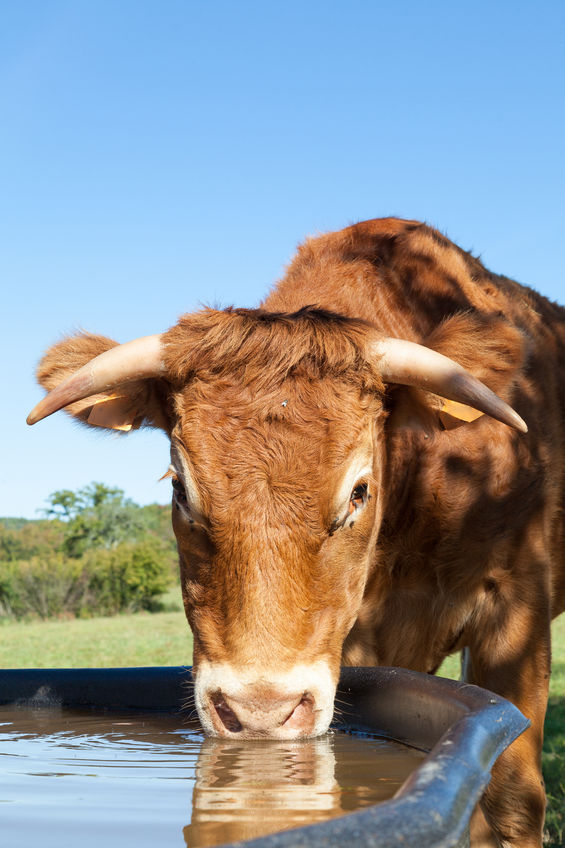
pixel 127 577
pixel 43 587
pixel 103 582
pixel 32 539
pixel 97 553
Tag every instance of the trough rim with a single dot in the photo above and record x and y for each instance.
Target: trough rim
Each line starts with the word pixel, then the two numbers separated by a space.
pixel 463 728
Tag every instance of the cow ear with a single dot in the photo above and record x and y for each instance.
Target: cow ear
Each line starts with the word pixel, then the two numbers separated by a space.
pixel 408 409
pixel 416 410
pixel 142 402
pixel 486 346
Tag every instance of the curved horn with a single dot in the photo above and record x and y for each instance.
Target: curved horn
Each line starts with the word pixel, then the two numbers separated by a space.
pixel 412 364
pixel 138 359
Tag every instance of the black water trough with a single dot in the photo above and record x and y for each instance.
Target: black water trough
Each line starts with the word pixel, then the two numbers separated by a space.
pixel 464 728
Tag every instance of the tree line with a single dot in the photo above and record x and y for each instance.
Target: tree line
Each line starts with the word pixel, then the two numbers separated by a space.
pixel 94 552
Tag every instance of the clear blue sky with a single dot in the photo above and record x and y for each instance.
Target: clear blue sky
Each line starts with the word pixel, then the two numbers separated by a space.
pixel 158 155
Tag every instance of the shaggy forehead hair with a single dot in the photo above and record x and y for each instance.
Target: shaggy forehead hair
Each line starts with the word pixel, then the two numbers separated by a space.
pixel 262 348
pixel 268 405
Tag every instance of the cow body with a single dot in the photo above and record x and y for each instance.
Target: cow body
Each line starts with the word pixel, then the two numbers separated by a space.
pixel 324 517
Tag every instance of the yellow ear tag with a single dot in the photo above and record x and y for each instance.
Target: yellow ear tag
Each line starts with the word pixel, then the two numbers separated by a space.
pixel 113 413
pixel 459 410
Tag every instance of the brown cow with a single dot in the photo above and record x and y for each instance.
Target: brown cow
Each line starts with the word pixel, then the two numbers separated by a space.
pixel 331 506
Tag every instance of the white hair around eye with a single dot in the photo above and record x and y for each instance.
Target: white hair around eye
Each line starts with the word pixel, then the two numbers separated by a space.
pixel 359 470
pixel 180 469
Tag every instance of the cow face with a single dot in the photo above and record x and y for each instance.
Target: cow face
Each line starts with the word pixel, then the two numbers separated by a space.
pixel 276 425
pixel 276 507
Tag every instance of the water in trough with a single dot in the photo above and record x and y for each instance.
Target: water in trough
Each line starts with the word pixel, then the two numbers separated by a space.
pixel 114 780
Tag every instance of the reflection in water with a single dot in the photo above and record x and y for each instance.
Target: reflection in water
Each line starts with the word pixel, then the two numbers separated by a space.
pixel 247 789
pixel 120 780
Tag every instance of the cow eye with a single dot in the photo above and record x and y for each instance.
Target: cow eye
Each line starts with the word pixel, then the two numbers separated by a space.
pixel 180 492
pixel 358 497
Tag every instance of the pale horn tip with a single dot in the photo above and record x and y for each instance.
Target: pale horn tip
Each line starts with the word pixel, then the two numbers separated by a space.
pixel 36 414
pixel 519 423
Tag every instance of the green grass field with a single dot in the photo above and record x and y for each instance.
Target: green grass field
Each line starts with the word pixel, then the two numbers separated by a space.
pixel 141 639
pixel 164 638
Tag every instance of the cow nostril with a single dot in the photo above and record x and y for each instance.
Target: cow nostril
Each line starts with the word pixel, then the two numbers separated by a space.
pixel 303 713
pixel 226 714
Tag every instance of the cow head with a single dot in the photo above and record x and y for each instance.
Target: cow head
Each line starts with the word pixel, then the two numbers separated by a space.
pixel 276 425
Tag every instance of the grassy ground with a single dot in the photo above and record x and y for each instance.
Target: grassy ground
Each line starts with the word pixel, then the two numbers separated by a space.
pixel 164 639
pixel 554 745
pixel 141 639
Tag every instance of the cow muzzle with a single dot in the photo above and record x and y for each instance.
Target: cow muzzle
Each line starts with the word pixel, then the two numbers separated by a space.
pixel 291 705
